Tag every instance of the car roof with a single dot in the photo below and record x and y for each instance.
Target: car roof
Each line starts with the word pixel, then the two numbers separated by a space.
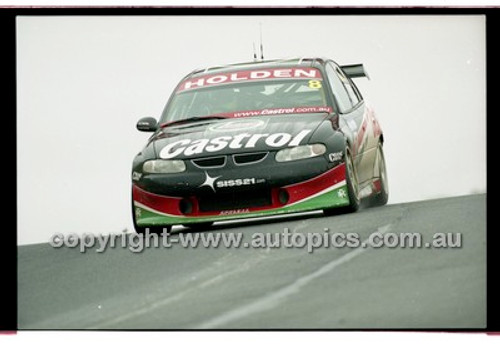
pixel 275 63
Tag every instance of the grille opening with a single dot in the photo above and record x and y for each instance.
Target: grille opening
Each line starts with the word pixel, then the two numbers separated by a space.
pixel 218 161
pixel 283 196
pixel 235 200
pixel 241 159
pixel 185 206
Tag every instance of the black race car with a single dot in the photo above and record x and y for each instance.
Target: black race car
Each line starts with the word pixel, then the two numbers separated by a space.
pixel 258 139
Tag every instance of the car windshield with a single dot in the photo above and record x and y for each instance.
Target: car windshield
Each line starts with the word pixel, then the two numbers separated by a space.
pixel 247 99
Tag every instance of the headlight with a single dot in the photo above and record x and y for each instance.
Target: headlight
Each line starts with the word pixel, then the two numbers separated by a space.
pixel 300 152
pixel 164 166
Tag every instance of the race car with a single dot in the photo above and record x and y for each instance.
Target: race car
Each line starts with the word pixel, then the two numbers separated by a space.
pixel 258 139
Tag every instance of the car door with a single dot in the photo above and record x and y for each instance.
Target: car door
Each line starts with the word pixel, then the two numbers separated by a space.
pixel 351 109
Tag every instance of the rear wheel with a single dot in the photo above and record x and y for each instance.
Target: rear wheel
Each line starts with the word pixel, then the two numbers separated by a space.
pixel 352 187
pixel 382 197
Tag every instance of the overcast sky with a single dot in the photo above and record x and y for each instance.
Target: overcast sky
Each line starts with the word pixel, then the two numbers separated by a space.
pixel 83 82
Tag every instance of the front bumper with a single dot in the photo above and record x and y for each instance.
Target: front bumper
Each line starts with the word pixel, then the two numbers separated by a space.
pixel 326 190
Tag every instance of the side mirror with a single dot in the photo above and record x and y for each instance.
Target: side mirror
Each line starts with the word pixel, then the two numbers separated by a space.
pixel 147 124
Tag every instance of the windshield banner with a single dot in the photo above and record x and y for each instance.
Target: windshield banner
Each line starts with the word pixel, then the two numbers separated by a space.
pixel 249 75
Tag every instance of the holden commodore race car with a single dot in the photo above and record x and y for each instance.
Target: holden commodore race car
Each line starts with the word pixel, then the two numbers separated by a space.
pixel 257 139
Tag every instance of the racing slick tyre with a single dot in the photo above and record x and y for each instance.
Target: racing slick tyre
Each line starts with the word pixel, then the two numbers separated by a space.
pixel 382 197
pixel 199 226
pixel 352 188
pixel 154 229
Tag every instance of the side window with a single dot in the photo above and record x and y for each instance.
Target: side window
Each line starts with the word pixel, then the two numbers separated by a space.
pixel 356 90
pixel 350 89
pixel 339 91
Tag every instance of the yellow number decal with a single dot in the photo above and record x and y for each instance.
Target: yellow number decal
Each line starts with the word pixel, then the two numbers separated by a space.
pixel 314 84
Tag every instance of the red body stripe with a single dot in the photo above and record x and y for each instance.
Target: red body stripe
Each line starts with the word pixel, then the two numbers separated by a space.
pixel 161 203
pixel 310 187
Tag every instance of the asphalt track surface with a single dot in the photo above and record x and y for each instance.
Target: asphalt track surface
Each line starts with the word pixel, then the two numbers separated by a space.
pixel 274 288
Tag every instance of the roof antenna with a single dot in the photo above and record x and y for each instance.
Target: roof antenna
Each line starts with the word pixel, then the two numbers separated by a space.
pixel 254 53
pixel 261 46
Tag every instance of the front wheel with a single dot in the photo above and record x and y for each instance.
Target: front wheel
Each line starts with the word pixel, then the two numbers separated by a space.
pixel 352 187
pixel 352 183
